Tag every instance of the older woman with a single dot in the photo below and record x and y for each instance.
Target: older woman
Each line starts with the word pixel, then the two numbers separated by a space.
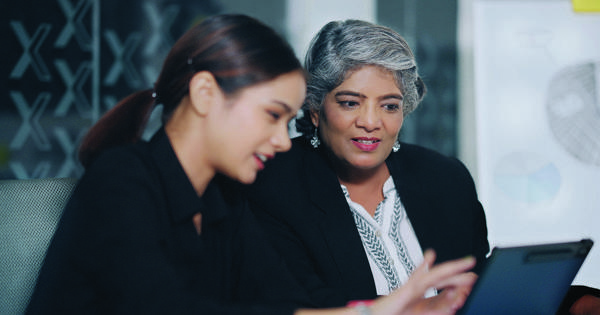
pixel 360 207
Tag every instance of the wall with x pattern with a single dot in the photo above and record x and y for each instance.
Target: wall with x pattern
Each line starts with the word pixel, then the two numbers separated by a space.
pixel 65 62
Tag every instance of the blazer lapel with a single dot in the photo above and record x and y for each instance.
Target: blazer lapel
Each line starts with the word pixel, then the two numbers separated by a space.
pixel 408 185
pixel 338 228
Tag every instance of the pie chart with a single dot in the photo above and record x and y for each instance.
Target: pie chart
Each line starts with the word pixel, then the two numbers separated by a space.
pixel 527 177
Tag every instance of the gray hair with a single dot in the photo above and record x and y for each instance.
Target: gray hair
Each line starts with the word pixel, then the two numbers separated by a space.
pixel 341 47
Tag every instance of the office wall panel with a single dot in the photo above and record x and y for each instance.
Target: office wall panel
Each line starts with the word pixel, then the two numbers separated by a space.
pixel 65 62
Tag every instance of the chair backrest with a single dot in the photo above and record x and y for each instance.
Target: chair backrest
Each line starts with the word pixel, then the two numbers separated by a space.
pixel 29 212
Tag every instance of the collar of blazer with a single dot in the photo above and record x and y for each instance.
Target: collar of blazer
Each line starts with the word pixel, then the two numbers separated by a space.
pixel 338 228
pixel 409 182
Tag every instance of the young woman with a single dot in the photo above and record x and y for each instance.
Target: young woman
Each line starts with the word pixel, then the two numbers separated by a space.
pixel 159 227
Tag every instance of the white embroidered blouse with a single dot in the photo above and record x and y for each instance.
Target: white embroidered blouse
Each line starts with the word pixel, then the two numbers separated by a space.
pixel 388 239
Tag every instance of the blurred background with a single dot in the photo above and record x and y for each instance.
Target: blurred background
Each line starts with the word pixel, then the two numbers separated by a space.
pixel 514 90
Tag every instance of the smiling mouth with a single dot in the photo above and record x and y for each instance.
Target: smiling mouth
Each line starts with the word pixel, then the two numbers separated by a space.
pixel 366 144
pixel 366 141
pixel 262 158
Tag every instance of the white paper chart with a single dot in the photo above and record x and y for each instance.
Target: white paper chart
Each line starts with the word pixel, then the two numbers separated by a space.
pixel 537 94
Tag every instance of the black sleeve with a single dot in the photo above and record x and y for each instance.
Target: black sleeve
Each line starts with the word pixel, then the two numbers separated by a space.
pixel 269 278
pixel 481 245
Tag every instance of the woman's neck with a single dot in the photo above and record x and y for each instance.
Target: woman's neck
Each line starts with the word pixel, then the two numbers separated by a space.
pixel 186 139
pixel 365 186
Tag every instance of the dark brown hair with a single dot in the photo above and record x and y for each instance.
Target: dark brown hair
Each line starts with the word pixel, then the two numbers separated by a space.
pixel 238 50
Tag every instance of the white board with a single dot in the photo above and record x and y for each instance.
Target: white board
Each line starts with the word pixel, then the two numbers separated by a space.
pixel 537 102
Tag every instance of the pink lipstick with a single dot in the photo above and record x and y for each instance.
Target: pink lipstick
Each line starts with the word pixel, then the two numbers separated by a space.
pixel 366 144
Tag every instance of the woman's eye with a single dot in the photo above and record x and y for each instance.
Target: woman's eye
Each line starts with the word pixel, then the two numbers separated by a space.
pixel 348 103
pixel 275 115
pixel 391 107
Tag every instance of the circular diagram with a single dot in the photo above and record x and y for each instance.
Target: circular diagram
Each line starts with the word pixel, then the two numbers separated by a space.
pixel 526 177
pixel 573 111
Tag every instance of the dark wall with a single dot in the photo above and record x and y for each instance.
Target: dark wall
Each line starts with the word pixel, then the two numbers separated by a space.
pixel 65 62
pixel 430 29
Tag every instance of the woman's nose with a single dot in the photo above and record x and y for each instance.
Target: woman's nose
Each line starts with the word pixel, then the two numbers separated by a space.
pixel 368 118
pixel 281 139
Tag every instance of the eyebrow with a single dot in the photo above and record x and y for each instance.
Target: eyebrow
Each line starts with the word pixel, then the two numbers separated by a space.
pixel 349 93
pixel 385 97
pixel 396 96
pixel 285 106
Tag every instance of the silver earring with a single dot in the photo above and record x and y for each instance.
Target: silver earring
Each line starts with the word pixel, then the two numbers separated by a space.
pixel 314 141
pixel 396 146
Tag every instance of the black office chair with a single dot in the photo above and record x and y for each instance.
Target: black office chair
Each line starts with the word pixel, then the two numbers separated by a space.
pixel 29 212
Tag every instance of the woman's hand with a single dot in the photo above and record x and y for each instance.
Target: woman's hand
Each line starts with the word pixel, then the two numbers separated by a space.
pixel 451 276
pixel 586 305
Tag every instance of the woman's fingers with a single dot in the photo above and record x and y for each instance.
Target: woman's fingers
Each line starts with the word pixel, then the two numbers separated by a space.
pixel 449 275
pixel 466 280
pixel 449 300
pixel 441 275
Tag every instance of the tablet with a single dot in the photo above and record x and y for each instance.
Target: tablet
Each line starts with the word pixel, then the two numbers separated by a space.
pixel 529 279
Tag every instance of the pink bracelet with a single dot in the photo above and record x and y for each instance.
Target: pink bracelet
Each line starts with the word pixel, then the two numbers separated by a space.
pixel 355 303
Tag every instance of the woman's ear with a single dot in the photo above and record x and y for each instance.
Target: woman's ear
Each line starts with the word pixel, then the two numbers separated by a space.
pixel 204 92
pixel 314 117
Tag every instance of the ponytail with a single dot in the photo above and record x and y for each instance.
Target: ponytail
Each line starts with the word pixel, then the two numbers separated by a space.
pixel 123 124
pixel 238 50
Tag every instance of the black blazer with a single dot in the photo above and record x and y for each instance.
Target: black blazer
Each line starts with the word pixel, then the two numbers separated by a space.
pixel 298 200
pixel 126 244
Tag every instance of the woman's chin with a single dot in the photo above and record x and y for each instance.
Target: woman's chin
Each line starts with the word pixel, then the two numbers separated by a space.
pixel 247 179
pixel 365 165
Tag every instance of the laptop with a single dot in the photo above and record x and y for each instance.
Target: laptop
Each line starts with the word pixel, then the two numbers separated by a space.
pixel 530 279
